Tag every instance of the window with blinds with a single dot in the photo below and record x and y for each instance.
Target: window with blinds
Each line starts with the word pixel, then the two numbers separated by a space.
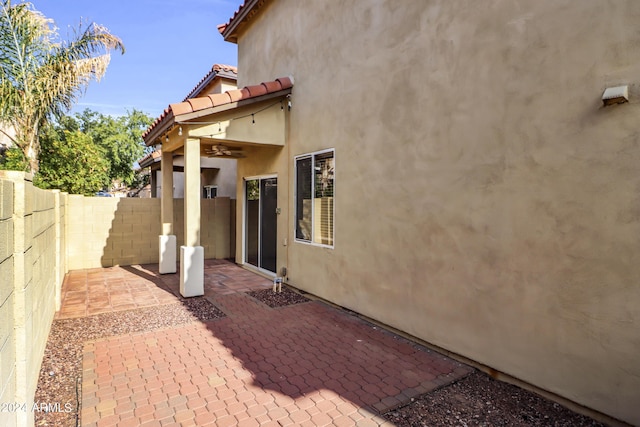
pixel 314 188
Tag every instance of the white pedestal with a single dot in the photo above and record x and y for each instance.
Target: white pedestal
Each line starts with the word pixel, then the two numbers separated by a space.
pixel 191 271
pixel 168 246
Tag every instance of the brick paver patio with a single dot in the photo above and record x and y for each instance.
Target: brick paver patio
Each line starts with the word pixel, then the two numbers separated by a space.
pixel 306 364
pixel 102 290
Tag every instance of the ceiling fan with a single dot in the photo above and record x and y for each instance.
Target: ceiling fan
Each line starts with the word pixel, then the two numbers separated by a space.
pixel 224 151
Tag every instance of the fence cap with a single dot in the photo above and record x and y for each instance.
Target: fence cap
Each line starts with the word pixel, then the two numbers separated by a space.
pixel 16 176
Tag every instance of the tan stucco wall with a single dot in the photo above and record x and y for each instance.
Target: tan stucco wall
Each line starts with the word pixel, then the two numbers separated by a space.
pixel 225 86
pixel 485 201
pixel 106 231
pixel 220 172
pixel 32 267
pixel 223 175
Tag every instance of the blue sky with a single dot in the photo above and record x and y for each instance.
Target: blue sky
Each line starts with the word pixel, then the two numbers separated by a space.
pixel 170 45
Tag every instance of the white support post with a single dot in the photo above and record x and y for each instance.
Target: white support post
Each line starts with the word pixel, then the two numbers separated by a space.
pixel 167 240
pixel 192 254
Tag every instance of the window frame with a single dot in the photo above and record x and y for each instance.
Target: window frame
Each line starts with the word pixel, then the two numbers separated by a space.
pixel 312 156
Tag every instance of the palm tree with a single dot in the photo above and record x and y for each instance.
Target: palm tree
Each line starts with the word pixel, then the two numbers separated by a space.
pixel 41 77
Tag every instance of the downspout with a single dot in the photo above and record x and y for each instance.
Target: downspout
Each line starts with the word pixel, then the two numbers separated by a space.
pixel 287 124
pixel 283 277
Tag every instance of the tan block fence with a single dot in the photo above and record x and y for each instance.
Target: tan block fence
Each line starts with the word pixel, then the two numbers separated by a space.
pixel 107 231
pixel 46 233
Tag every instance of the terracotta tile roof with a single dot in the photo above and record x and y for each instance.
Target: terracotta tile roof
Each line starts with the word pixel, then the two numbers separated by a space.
pixel 215 100
pixel 223 67
pixel 223 27
pixel 150 158
pixel 246 12
pixel 221 70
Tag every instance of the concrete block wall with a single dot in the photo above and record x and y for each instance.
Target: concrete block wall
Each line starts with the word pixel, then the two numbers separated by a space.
pixel 31 272
pixel 7 333
pixel 134 233
pixel 216 237
pixel 45 284
pixel 104 231
pixel 60 201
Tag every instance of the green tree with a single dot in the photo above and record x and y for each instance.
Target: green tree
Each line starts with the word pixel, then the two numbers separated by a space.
pixel 120 138
pixel 41 77
pixel 12 159
pixel 73 142
pixel 71 162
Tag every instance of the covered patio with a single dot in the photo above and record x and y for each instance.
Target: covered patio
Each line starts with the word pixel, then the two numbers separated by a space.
pixel 229 124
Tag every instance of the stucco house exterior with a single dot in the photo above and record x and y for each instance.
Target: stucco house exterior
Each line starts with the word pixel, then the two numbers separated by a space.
pixel 447 168
pixel 218 176
pixel 7 133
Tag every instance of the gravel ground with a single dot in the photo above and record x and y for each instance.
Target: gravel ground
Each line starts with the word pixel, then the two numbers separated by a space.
pixel 479 400
pixel 61 372
pixel 278 299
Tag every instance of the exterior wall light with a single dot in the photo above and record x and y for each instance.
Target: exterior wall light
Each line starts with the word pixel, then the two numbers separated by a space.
pixel 615 95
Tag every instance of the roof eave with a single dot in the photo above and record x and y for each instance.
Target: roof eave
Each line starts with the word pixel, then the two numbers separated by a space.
pixel 213 74
pixel 148 162
pixel 229 31
pixel 230 106
pixel 229 75
pixel 159 129
pixel 196 91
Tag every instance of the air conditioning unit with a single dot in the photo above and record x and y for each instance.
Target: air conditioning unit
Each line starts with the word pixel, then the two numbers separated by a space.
pixel 209 191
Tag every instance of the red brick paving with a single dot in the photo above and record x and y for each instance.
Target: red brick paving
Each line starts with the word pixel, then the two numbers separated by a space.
pixel 102 290
pixel 306 364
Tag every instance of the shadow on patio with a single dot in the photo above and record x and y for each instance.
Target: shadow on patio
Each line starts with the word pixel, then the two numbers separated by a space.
pixel 303 364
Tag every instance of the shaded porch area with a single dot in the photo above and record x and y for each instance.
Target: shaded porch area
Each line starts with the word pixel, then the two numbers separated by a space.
pixel 222 125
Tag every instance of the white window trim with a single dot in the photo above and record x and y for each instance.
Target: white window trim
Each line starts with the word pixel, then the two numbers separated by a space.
pixel 295 198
